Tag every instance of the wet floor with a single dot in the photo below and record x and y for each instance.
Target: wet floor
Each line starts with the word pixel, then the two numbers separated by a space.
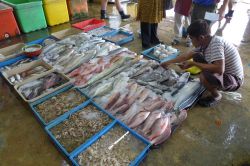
pixel 208 137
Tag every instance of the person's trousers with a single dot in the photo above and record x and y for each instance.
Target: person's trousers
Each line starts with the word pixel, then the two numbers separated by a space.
pixel 199 11
pixel 149 34
pixel 180 21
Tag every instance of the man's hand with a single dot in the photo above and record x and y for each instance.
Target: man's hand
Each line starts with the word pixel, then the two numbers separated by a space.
pixel 165 65
pixel 186 65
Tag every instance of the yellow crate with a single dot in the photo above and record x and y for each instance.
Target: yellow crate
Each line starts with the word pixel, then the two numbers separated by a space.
pixel 56 11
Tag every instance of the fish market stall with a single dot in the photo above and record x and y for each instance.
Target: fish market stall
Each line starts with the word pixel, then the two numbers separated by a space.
pixel 91 94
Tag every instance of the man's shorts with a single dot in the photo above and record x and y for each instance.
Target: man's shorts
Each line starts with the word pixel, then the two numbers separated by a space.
pixel 225 82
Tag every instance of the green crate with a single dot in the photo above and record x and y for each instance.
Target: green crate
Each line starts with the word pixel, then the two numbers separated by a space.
pixel 29 14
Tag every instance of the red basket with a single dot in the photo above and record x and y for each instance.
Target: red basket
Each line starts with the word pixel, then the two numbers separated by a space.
pixel 90 24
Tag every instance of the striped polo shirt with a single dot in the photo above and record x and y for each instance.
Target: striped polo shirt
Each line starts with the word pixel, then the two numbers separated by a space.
pixel 219 49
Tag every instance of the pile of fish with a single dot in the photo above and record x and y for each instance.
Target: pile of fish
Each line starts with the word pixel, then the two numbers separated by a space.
pixel 170 85
pixel 117 147
pixel 41 85
pixel 162 51
pixel 17 64
pixel 100 31
pixel 115 38
pixel 59 104
pixel 99 67
pixel 19 77
pixel 67 54
pixel 138 107
pixel 80 126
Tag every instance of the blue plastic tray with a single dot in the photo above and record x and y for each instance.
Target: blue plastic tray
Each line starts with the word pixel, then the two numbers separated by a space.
pixel 13 60
pixel 135 162
pixel 147 53
pixel 84 144
pixel 112 30
pixel 130 37
pixel 39 117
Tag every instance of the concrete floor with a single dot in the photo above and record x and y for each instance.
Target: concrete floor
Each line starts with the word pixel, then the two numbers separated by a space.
pixel 208 137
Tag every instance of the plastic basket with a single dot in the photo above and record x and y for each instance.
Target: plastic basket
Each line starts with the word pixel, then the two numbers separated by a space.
pixel 29 14
pixel 56 11
pixel 106 31
pixel 8 22
pixel 88 141
pixel 129 38
pixel 136 161
pixel 148 53
pixel 39 117
pixel 67 82
pixel 90 24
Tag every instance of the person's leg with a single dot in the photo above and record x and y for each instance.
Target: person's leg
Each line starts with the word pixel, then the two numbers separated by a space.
pixel 211 84
pixel 154 40
pixel 187 23
pixel 103 9
pixel 178 25
pixel 145 34
pixel 120 10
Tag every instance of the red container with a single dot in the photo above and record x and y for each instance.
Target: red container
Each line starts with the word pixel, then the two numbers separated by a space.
pixel 90 24
pixel 8 25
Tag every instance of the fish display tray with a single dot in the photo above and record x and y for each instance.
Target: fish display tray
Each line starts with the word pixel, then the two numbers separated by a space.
pixel 102 31
pixel 29 66
pixel 10 51
pixel 15 58
pixel 68 81
pixel 90 24
pixel 88 141
pixel 44 41
pixel 66 32
pixel 148 53
pixel 50 96
pixel 136 140
pixel 129 37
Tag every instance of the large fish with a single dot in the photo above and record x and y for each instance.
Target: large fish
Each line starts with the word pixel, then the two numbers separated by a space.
pixel 186 93
pixel 138 119
pixel 163 137
pixel 112 100
pixel 150 121
pixel 159 127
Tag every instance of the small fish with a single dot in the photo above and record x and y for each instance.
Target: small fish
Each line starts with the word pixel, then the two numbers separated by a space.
pixel 163 137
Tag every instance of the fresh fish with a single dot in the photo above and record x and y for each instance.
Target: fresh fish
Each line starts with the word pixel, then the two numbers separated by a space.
pixel 120 109
pixel 108 71
pixel 138 119
pixel 155 106
pixel 153 116
pixel 185 93
pixel 145 93
pixel 163 137
pixel 112 100
pixel 159 127
pixel 182 79
pixel 130 113
pixel 103 89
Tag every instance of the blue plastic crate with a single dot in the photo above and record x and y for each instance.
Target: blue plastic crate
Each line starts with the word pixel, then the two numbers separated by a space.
pixel 14 60
pixel 111 30
pixel 130 37
pixel 148 53
pixel 39 101
pixel 135 162
pixel 87 142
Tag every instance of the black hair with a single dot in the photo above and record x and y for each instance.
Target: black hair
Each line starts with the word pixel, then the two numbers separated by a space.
pixel 199 27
